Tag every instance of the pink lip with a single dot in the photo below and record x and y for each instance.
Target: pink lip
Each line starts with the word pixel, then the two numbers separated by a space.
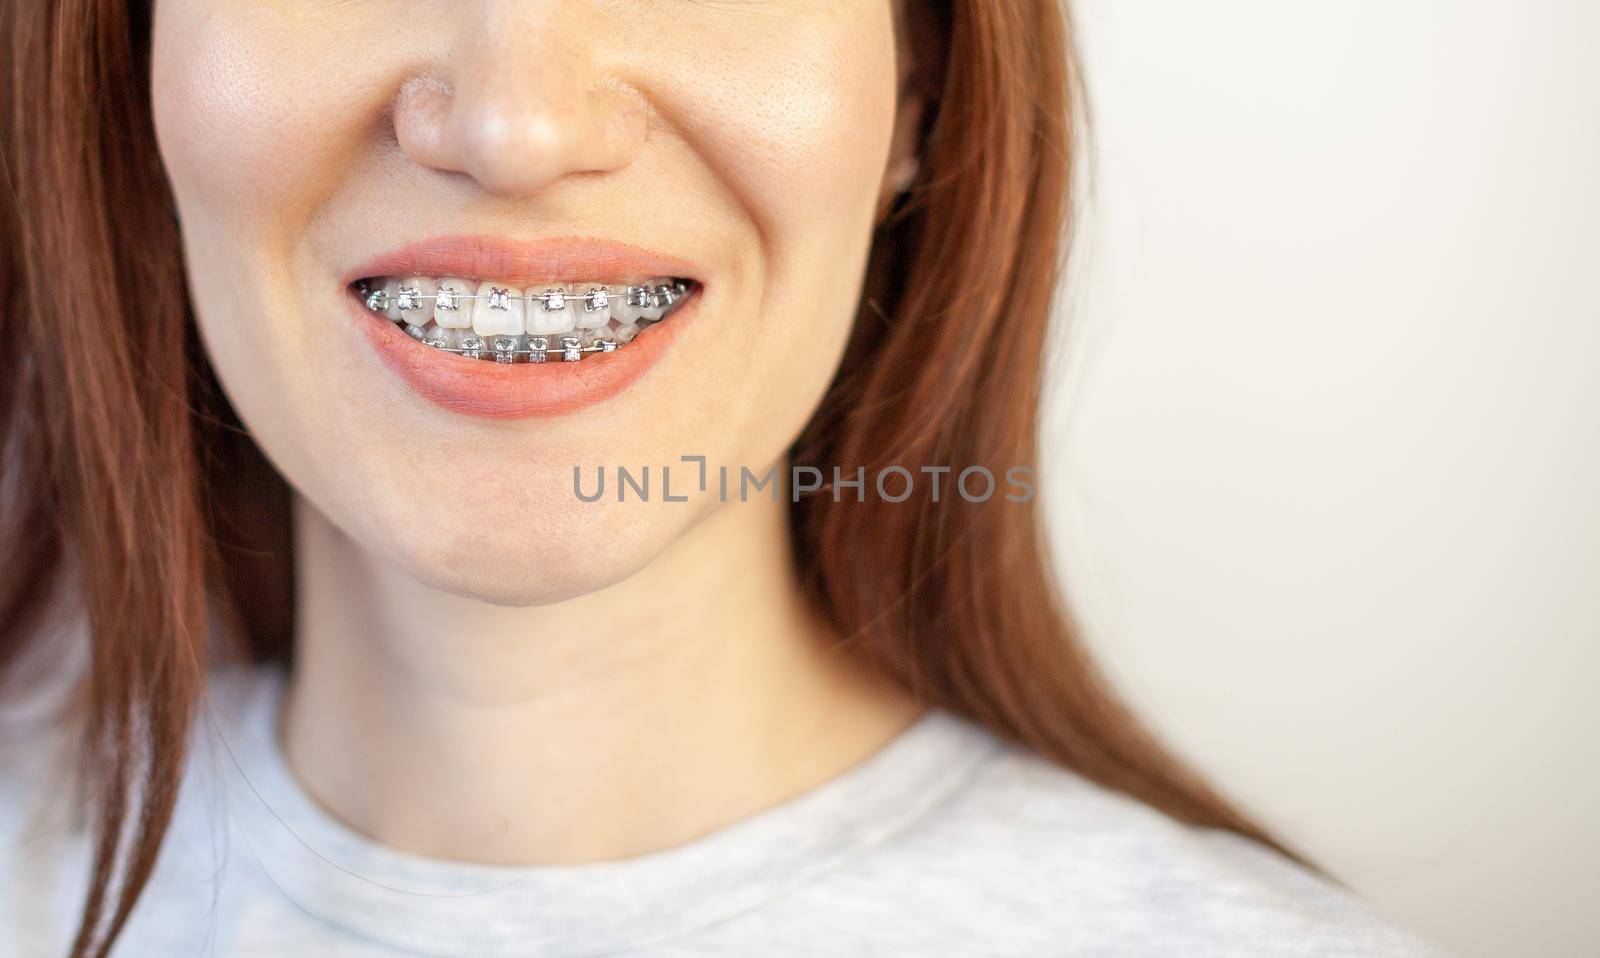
pixel 565 259
pixel 492 390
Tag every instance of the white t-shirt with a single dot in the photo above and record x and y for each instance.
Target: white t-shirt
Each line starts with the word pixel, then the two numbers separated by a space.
pixel 946 842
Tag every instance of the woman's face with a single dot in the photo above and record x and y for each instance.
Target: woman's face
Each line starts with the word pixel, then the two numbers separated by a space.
pixel 321 150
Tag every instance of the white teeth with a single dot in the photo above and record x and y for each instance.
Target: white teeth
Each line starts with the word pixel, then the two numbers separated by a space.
pixel 498 311
pixel 391 303
pixel 413 299
pixel 436 335
pixel 656 297
pixel 593 308
pixel 550 311
pixel 507 324
pixel 450 309
pixel 625 307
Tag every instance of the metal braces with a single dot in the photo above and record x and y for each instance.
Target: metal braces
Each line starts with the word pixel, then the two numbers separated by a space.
pixel 594 299
pixel 504 349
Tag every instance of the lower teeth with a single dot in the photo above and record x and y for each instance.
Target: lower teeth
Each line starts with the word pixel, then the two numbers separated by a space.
pixel 567 347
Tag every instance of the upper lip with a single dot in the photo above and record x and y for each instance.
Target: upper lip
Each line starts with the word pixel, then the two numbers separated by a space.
pixel 566 259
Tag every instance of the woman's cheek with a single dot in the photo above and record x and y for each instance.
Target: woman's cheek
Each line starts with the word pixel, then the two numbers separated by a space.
pixel 252 108
pixel 797 123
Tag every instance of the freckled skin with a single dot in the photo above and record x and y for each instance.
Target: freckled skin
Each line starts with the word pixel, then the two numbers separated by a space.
pixel 303 138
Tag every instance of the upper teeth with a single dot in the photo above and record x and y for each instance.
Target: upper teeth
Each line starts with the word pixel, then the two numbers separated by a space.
pixel 418 300
pixel 600 312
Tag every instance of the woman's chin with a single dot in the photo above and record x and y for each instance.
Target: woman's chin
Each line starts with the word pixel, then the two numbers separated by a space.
pixel 522 563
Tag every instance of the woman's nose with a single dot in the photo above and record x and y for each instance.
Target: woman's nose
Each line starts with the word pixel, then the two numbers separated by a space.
pixel 517 104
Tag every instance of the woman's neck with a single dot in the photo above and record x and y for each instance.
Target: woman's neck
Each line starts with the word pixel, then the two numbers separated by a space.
pixel 692 694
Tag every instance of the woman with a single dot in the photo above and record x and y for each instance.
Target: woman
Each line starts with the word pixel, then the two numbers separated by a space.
pixel 554 478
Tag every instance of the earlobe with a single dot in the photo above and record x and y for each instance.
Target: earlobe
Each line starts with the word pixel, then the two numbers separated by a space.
pixel 896 181
pixel 902 173
pixel 904 162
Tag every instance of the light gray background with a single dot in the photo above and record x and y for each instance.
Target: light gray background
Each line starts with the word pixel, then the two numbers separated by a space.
pixel 1323 463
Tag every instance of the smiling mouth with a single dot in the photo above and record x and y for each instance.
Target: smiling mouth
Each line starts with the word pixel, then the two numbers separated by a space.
pixel 504 323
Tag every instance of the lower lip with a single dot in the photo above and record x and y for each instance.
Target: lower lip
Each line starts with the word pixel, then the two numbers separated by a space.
pixel 493 390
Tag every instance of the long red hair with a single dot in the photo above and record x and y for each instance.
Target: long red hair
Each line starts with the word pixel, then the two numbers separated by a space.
pixel 126 468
